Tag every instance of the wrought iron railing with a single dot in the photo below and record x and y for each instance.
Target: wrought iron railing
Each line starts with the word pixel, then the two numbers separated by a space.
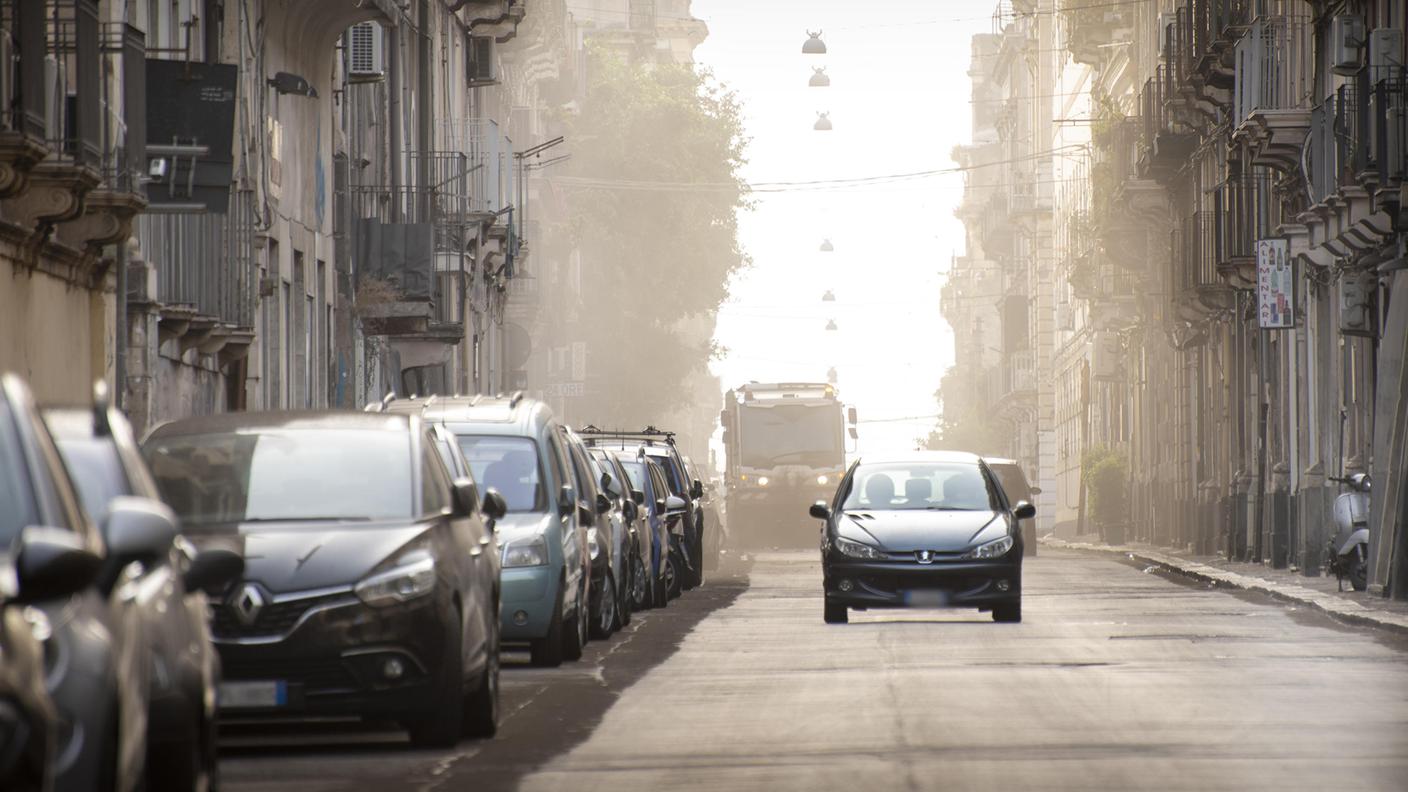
pixel 205 261
pixel 1274 66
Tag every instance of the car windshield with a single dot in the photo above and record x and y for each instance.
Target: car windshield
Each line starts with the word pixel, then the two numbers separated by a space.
pixel 96 472
pixel 509 465
pixel 941 486
pixel 790 434
pixel 16 506
pixel 284 474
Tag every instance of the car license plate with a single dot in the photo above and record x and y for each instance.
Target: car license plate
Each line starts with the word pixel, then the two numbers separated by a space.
pixel 253 695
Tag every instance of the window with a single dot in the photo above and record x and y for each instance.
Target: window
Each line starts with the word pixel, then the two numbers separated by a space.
pixel 939 486
pixel 16 503
pixel 509 465
pixel 434 482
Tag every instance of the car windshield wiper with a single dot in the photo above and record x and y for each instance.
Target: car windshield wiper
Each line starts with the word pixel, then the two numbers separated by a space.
pixel 948 508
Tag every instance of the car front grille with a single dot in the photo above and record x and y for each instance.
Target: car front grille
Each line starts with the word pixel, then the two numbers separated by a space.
pixel 316 675
pixel 274 620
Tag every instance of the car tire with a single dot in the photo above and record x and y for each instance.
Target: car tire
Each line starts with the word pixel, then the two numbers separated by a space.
pixel 443 726
pixel 574 638
pixel 672 579
pixel 1008 613
pixel 604 621
pixel 835 613
pixel 481 711
pixel 625 605
pixel 546 652
pixel 640 585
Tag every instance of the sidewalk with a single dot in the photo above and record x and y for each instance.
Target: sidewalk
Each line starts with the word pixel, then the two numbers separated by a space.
pixel 1315 592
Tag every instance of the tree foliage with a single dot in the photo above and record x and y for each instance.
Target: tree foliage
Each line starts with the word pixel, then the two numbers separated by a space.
pixel 654 258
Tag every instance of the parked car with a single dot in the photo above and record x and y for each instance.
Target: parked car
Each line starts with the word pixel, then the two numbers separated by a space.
pixel 1014 483
pixel 102 456
pixel 610 590
pixel 28 721
pixel 513 444
pixel 924 529
pixel 620 487
pixel 367 590
pixel 96 674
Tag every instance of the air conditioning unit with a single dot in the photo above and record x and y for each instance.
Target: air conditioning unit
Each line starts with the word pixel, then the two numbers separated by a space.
pixel 366 54
pixel 1346 38
pixel 480 63
pixel 1385 54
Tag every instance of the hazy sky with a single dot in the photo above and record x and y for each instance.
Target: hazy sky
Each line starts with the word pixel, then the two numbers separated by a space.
pixel 899 102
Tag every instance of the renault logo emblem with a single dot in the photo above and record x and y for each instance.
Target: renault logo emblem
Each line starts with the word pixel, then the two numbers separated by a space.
pixel 247 603
pixel 926 557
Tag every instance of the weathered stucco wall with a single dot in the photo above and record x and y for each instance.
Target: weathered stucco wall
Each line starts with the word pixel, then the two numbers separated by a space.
pixel 52 332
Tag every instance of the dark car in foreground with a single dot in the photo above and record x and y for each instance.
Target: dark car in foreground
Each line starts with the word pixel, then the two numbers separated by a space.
pixel 102 457
pixel 928 529
pixel 371 585
pixel 27 717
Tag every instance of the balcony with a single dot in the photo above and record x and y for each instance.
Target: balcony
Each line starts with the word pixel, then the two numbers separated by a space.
pixel 1196 285
pixel 1089 26
pixel 1167 141
pixel 202 280
pixel 1274 79
pixel 1243 212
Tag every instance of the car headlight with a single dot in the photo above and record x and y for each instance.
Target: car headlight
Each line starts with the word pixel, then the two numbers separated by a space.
pixel 859 550
pixel 762 481
pixel 532 551
pixel 994 549
pixel 413 577
pixel 823 479
pixel 593 544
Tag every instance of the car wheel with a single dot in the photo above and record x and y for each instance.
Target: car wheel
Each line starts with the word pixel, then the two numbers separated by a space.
pixel 640 581
pixel 672 579
pixel 1011 612
pixel 605 622
pixel 626 602
pixel 546 652
pixel 574 639
pixel 443 726
pixel 481 716
pixel 835 613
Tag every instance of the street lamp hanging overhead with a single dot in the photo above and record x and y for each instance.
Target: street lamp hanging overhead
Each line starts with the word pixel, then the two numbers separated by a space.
pixel 828 296
pixel 814 45
pixel 831 324
pixel 819 78
pixel 826 246
pixel 823 123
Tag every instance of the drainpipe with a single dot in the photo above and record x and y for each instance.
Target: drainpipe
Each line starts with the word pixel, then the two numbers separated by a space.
pixel 424 101
pixel 393 102
pixel 119 357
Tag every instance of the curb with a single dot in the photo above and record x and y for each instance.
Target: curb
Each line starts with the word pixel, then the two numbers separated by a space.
pixel 1338 607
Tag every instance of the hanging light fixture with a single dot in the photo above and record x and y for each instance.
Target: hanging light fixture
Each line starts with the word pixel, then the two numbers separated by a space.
pixel 828 297
pixel 813 45
pixel 831 324
pixel 823 123
pixel 831 375
pixel 819 78
pixel 826 246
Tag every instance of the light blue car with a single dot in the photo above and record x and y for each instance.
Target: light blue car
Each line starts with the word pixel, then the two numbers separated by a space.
pixel 513 445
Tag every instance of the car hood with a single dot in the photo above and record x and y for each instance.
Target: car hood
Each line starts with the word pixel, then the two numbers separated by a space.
pixel 905 531
pixel 303 556
pixel 519 524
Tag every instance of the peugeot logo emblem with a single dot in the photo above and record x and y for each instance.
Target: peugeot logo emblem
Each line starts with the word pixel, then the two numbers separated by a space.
pixel 247 603
pixel 926 557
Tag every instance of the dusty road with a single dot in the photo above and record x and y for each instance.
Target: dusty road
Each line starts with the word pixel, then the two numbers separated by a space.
pixel 1117 679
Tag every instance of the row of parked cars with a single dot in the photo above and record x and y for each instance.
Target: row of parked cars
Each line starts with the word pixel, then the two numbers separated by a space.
pixel 308 564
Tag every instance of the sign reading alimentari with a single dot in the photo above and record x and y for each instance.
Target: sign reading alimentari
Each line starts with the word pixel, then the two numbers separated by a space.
pixel 1275 285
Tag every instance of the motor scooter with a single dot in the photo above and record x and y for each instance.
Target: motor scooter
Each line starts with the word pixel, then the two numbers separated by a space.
pixel 1349 547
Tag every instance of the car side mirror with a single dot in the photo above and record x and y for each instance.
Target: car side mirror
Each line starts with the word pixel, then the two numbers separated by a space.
pixel 494 505
pixel 1035 490
pixel 631 510
pixel 603 503
pixel 213 569
pixel 1023 510
pixel 138 529
pixel 696 489
pixel 53 563
pixel 820 511
pixel 566 500
pixel 675 505
pixel 464 498
pixel 605 480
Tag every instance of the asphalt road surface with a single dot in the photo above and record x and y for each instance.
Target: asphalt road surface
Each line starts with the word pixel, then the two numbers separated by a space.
pixel 1118 678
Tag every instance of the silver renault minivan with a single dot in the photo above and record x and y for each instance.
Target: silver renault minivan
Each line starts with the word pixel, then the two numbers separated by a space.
pixel 513 444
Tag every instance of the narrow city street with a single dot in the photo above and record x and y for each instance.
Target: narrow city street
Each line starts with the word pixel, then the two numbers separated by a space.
pixel 1119 677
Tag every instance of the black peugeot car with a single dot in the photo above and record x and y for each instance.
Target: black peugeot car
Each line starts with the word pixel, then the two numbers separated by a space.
pixel 371 583
pixel 927 529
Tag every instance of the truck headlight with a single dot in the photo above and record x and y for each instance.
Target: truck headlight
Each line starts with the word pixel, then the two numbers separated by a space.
pixel 531 551
pixel 823 479
pixel 994 549
pixel 414 577
pixel 762 481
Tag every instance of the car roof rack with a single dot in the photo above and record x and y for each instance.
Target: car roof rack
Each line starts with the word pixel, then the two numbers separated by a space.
pixel 649 434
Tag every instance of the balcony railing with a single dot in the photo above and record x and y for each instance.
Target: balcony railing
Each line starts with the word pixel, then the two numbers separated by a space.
pixel 204 261
pixel 1245 211
pixel 1020 373
pixel 1167 141
pixel 1386 125
pixel 1195 252
pixel 1335 152
pixel 1274 71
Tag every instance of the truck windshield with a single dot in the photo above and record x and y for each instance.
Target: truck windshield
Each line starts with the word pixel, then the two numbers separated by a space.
pixel 790 434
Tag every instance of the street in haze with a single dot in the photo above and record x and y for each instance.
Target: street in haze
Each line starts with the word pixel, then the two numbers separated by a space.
pixel 1117 678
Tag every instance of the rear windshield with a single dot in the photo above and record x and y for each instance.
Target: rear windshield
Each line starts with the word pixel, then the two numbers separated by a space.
pixel 284 474
pixel 509 465
pixel 16 503
pixel 939 486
